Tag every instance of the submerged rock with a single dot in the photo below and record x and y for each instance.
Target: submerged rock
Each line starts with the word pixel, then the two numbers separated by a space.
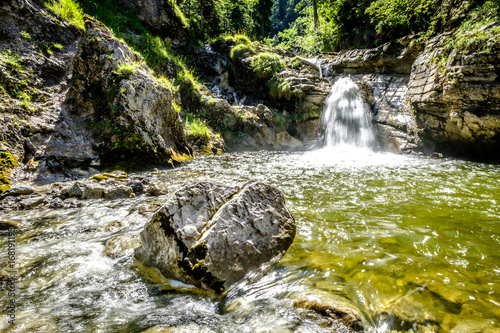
pixel 210 235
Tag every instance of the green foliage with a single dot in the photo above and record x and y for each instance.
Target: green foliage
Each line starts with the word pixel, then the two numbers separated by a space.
pixel 242 39
pixel 68 10
pixel 196 129
pixel 25 35
pixel 279 88
pixel 127 68
pixel 266 64
pixel 476 34
pixel 20 86
pixel 242 51
pixel 397 18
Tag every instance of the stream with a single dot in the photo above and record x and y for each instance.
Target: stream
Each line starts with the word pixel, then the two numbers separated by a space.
pixel 410 242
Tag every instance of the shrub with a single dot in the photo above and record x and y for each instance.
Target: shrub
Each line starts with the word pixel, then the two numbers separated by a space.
pixel 472 35
pixel 197 129
pixel 266 64
pixel 241 51
pixel 242 39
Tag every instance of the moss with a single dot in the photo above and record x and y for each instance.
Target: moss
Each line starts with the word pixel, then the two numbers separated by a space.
pixel 180 158
pixel 7 163
pixel 116 175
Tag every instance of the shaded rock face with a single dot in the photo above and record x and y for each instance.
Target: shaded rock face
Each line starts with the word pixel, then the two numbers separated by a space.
pixel 210 235
pixel 131 112
pixel 458 105
pixel 41 47
pixel 160 17
pixel 390 58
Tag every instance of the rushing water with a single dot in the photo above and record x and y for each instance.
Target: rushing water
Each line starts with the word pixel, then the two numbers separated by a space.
pixel 410 242
pixel 346 117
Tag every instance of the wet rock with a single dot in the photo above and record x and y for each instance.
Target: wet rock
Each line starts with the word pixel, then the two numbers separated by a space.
pixel 334 313
pixel 156 189
pixel 285 140
pixel 93 191
pixel 121 246
pixel 33 202
pixel 210 235
pixel 114 225
pixel 6 225
pixel 56 203
pixel 18 190
pixel 136 186
pixel 119 192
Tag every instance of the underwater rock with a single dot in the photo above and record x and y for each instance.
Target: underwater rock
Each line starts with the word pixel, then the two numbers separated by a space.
pixel 121 246
pixel 333 313
pixel 211 235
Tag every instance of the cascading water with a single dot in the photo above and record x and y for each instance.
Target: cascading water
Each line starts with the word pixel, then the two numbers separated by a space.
pixel 346 118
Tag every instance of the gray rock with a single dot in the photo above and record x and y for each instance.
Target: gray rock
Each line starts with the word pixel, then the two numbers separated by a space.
pixel 156 190
pixel 18 190
pixel 76 190
pixel 210 235
pixel 32 202
pixel 56 203
pixel 93 191
pixel 119 192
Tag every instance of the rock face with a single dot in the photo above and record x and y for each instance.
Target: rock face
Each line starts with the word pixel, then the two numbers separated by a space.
pixel 131 111
pixel 457 105
pixel 210 235
pixel 160 17
pixel 421 104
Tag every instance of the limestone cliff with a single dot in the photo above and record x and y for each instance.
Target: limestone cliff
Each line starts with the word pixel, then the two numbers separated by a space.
pixel 71 100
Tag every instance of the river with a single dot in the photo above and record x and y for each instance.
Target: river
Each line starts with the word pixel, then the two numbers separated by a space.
pixel 410 242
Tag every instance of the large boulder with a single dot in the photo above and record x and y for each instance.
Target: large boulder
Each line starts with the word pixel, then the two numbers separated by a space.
pixel 211 235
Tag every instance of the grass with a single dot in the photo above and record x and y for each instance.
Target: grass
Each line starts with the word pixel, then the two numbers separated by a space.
pixel 279 88
pixel 20 87
pixel 265 65
pixel 241 51
pixel 479 33
pixel 127 68
pixel 155 50
pixel 241 39
pixel 197 129
pixel 68 10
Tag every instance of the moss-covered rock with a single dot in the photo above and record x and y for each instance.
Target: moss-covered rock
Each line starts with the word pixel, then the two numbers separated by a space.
pixel 132 113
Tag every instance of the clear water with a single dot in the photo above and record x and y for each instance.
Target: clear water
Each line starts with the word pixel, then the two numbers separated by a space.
pixel 346 118
pixel 412 243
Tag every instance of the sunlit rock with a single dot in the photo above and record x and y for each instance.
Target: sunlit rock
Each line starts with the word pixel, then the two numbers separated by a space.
pixel 210 235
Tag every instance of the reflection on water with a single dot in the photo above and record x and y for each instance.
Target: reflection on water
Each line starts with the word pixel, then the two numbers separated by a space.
pixel 412 243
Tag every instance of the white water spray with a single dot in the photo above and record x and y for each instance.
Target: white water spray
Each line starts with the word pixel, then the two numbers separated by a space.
pixel 346 118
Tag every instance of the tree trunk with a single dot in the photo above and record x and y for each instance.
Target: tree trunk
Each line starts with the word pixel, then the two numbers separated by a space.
pixel 315 13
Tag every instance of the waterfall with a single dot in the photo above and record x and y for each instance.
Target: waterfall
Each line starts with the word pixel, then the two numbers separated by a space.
pixel 346 118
